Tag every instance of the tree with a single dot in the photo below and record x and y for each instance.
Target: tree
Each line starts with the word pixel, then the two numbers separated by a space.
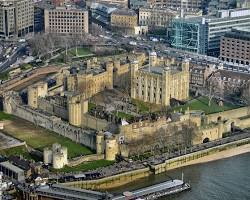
pixel 215 87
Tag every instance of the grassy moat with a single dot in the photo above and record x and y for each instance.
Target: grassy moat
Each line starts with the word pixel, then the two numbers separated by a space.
pixel 39 138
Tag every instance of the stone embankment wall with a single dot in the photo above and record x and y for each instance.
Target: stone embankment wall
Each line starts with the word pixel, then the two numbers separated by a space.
pixel 125 178
pixel 83 136
pixel 184 160
pixel 111 181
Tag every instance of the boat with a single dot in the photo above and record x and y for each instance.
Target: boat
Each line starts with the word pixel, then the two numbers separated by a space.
pixel 156 191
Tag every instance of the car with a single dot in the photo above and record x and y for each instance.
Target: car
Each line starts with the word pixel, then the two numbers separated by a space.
pixel 132 43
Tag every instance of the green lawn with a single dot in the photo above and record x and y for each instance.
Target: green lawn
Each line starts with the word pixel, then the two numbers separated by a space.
pixel 123 115
pixel 26 66
pixel 142 106
pixel 85 166
pixel 4 75
pixel 48 138
pixel 39 138
pixel 5 116
pixel 18 151
pixel 145 107
pixel 80 52
pixel 91 106
pixel 202 104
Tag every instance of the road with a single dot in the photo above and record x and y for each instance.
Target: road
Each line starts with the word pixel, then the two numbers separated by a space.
pixel 12 59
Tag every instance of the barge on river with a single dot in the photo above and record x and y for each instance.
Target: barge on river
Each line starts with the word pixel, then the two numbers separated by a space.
pixel 156 191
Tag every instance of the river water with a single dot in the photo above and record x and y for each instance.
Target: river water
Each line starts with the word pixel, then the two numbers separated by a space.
pixel 226 179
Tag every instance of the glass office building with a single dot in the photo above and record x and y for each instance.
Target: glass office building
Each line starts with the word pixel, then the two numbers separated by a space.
pixel 202 34
pixel 189 35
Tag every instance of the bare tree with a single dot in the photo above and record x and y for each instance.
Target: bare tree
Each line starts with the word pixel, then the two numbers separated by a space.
pixel 214 87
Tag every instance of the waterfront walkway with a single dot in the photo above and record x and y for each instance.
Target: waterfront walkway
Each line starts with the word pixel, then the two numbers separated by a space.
pixel 125 166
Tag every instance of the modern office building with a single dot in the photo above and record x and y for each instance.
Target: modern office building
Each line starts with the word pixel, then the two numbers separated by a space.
pixel 202 34
pixel 177 4
pixel 66 20
pixel 235 46
pixel 120 3
pixel 101 13
pixel 16 18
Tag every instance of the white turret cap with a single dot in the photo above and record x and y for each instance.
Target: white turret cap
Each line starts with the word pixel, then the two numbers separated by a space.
pixel 153 53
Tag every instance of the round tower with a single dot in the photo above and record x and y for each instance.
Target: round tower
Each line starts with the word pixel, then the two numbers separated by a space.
pixel 74 108
pixel 152 59
pixel 64 151
pixel 220 129
pixel 117 64
pixel 55 147
pixel 47 156
pixel 100 143
pixel 109 68
pixel 134 69
pixel 111 149
pixel 58 160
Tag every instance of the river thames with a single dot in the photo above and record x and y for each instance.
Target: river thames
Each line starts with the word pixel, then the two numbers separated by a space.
pixel 227 179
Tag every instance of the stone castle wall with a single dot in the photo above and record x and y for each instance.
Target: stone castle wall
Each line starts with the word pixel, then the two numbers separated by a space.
pixel 230 114
pixel 95 123
pixel 79 135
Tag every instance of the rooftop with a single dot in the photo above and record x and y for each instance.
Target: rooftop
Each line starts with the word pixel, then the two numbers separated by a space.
pixel 69 193
pixel 12 167
pixel 125 12
pixel 241 33
pixel 219 16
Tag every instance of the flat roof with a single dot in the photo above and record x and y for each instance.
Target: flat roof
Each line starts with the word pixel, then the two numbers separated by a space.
pixel 11 167
pixel 125 12
pixel 77 189
pixel 69 192
pixel 155 70
pixel 152 189
pixel 241 33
